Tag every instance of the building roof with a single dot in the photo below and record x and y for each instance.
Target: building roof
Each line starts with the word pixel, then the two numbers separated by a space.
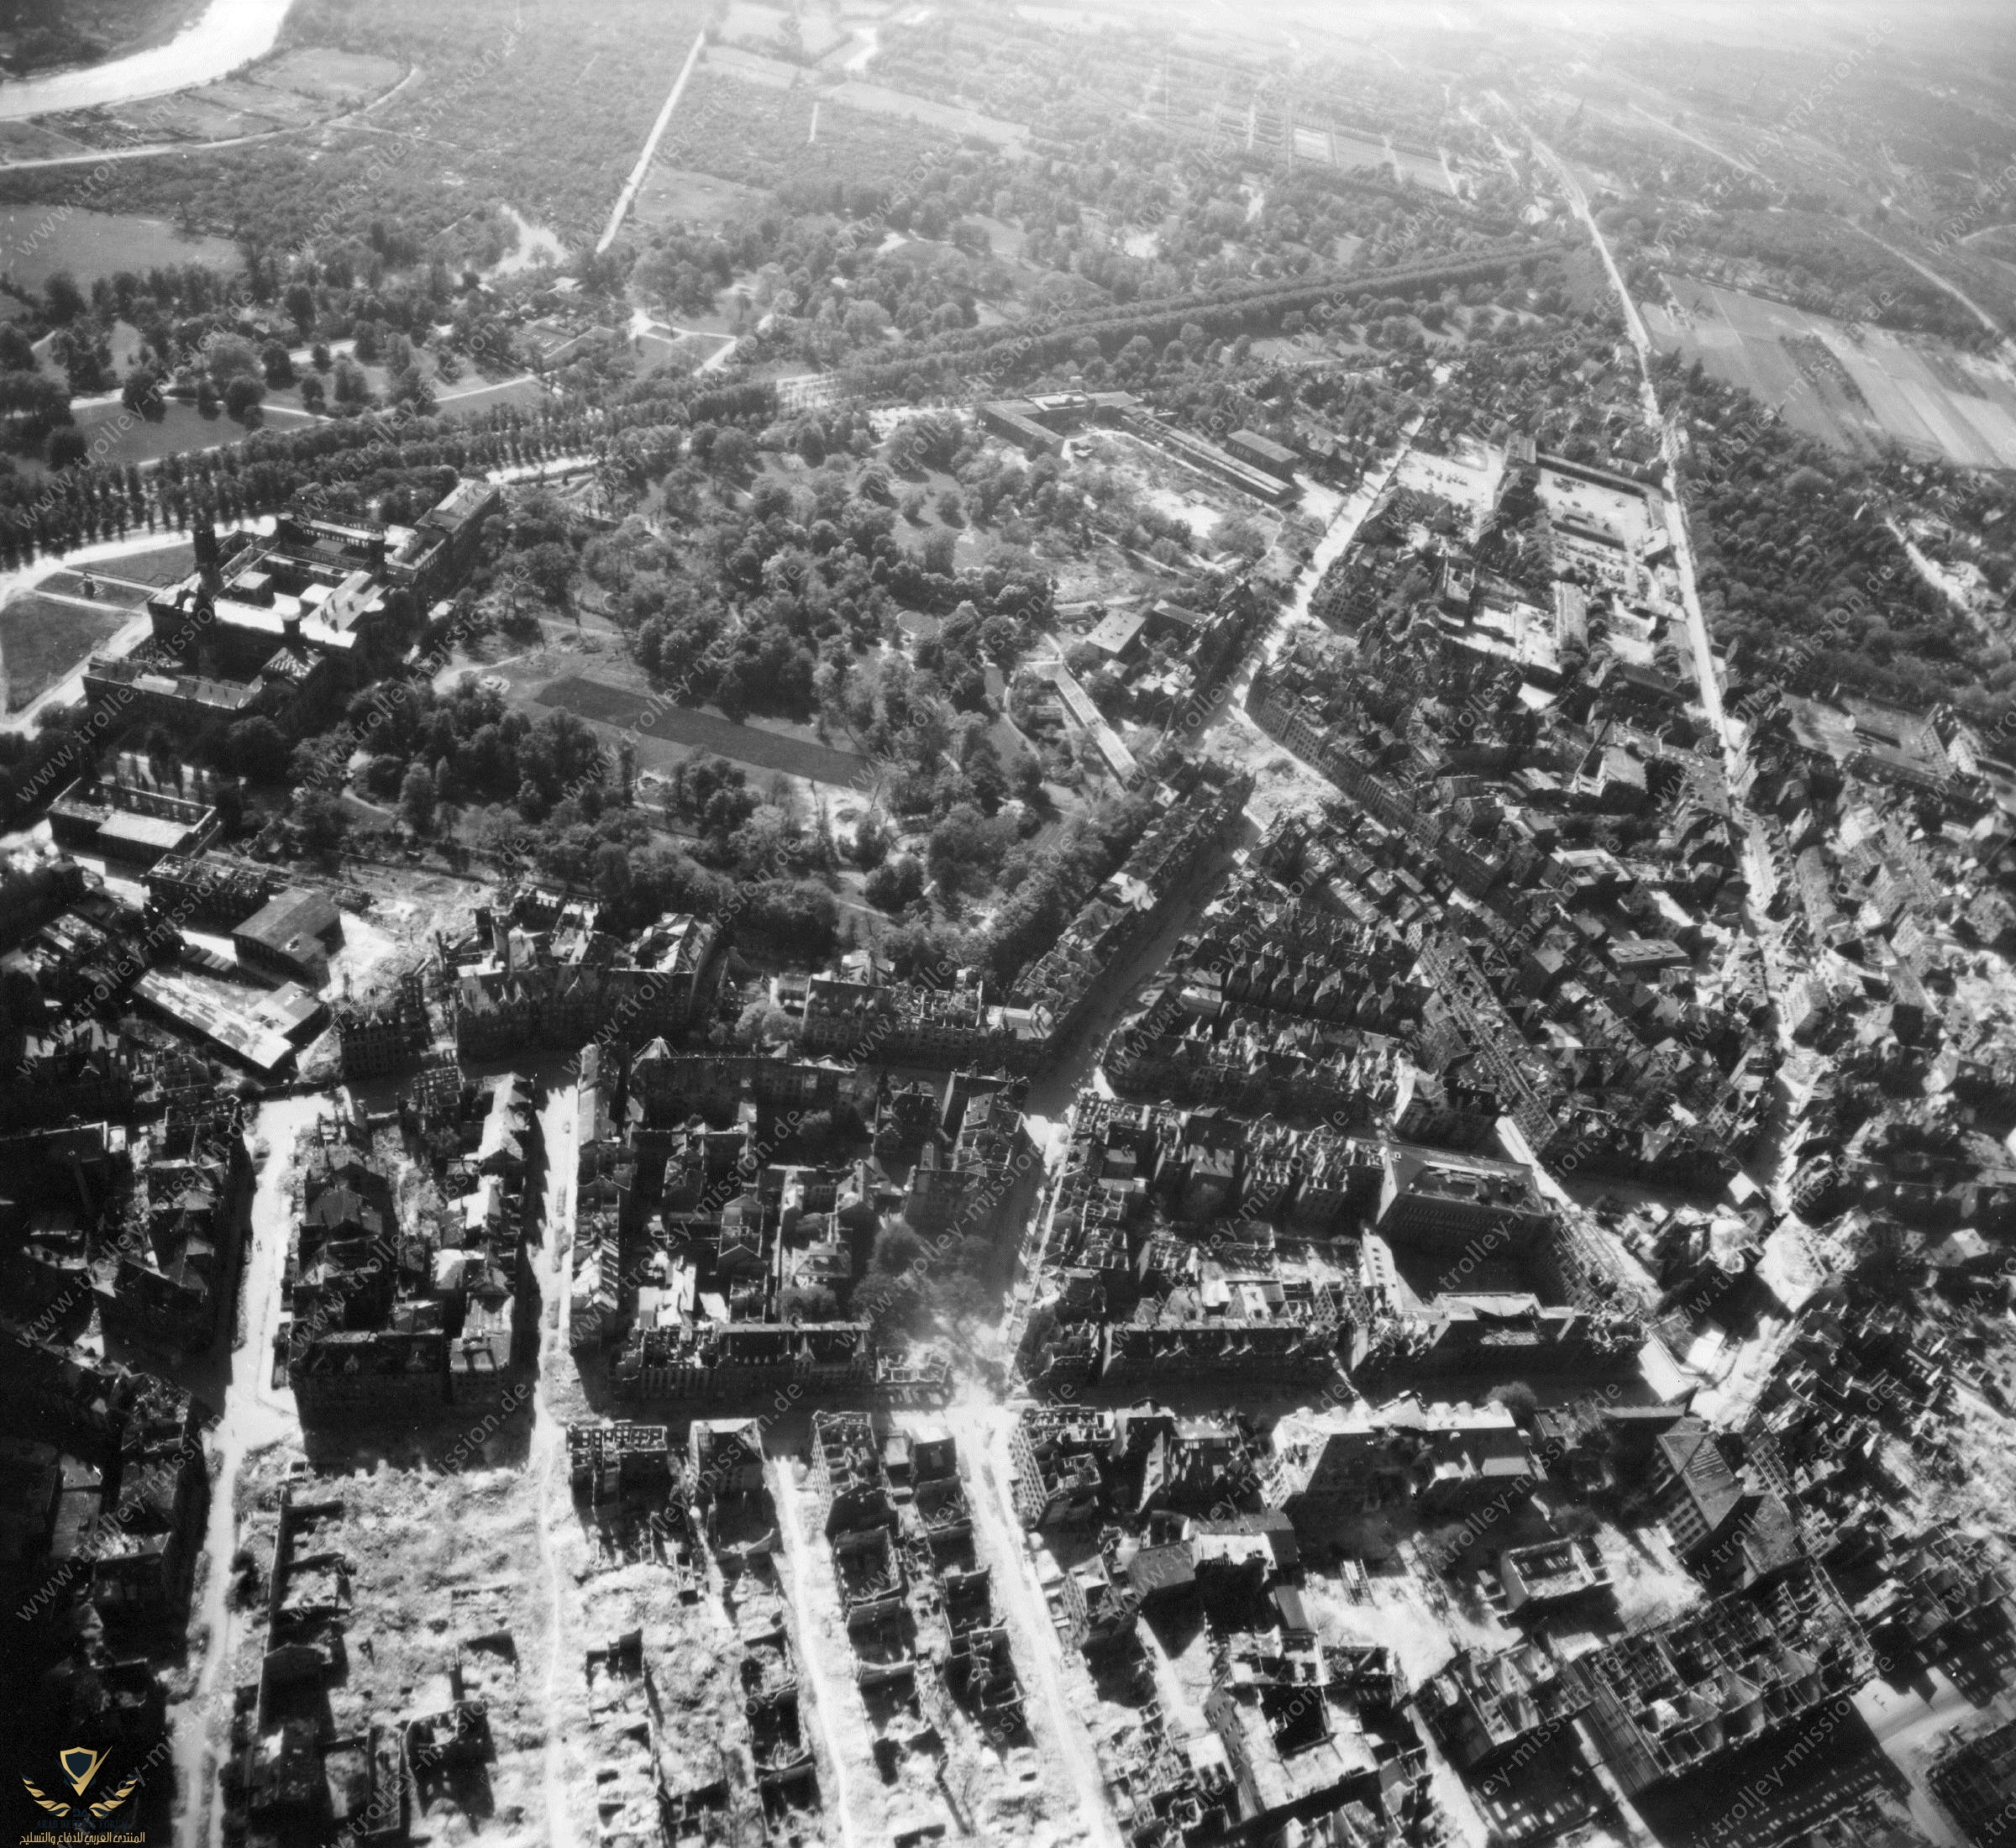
pixel 257 1046
pixel 1155 1570
pixel 1294 1613
pixel 290 915
pixel 1254 443
pixel 144 830
pixel 1115 634
pixel 1697 1460
pixel 464 503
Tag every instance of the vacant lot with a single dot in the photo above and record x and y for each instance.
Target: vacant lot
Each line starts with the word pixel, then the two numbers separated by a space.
pixel 696 732
pixel 42 639
pixel 37 240
pixel 1853 387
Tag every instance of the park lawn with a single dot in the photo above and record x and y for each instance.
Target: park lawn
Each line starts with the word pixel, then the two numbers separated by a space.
pixel 671 194
pixel 470 395
pixel 37 240
pixel 115 436
pixel 674 732
pixel 169 563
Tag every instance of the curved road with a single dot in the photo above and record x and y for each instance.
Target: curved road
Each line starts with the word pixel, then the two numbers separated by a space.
pixel 1951 288
pixel 231 33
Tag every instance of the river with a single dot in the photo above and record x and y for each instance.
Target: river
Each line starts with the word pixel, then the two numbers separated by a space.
pixel 231 33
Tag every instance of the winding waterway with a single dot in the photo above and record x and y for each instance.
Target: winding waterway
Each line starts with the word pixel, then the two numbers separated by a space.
pixel 230 34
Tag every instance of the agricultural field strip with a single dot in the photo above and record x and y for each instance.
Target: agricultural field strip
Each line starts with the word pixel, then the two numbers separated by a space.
pixel 1743 337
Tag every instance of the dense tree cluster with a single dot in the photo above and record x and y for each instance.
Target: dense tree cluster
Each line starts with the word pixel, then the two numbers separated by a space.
pixel 1814 259
pixel 1800 580
pixel 300 195
pixel 777 595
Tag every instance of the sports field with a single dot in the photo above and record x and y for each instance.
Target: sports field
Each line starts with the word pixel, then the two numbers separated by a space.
pixel 1852 386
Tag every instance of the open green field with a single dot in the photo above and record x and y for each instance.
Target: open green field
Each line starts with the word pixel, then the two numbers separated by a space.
pixel 115 435
pixel 686 352
pixel 948 117
pixel 1856 387
pixel 37 240
pixel 167 564
pixel 670 193
pixel 469 397
pixel 114 593
pixel 42 639
pixel 697 732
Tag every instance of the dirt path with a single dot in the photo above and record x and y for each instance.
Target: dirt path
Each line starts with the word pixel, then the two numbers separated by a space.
pixel 254 1417
pixel 557 1130
pixel 643 160
pixel 1939 281
pixel 982 1430
pixel 826 1704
